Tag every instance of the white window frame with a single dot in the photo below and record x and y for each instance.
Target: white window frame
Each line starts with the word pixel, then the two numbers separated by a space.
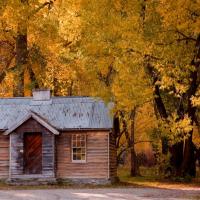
pixel 79 161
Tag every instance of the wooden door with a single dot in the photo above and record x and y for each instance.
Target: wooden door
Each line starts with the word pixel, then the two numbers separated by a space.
pixel 32 153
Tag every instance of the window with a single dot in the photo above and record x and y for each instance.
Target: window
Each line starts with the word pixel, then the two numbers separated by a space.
pixel 79 148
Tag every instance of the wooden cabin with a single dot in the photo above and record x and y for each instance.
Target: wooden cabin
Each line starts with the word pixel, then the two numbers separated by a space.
pixel 46 138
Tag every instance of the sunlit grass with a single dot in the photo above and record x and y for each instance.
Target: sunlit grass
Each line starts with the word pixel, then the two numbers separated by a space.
pixel 150 178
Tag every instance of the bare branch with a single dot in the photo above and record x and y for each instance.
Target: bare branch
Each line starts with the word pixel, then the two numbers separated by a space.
pixel 48 4
pixel 140 53
pixel 185 37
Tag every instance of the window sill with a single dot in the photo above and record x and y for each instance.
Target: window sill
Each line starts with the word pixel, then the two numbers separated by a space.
pixel 79 161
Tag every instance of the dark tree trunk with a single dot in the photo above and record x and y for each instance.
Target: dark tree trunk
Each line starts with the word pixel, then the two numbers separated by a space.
pixel 33 78
pixel 176 159
pixel 177 149
pixel 188 165
pixel 165 145
pixel 21 56
pixel 56 87
pixel 130 139
pixel 189 161
pixel 116 127
pixel 122 148
pixel 159 102
pixel 21 62
pixel 134 167
pixel 134 163
pixel 70 89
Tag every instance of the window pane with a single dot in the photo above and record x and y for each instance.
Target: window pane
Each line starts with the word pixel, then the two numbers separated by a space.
pixel 83 143
pixel 74 157
pixel 82 137
pixel 74 150
pixel 78 150
pixel 74 137
pixel 78 143
pixel 83 151
pixel 78 157
pixel 79 147
pixel 78 137
pixel 82 156
pixel 74 143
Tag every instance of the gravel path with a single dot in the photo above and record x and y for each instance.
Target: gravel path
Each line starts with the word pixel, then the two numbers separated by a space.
pixel 101 194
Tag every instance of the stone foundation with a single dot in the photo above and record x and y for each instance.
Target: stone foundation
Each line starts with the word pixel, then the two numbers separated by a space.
pixel 54 181
pixel 84 181
pixel 32 181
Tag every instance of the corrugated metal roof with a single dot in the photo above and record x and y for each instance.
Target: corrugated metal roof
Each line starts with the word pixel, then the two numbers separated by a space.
pixel 60 112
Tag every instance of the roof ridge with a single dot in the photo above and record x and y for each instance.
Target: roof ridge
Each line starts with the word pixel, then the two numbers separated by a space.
pixel 16 98
pixel 30 97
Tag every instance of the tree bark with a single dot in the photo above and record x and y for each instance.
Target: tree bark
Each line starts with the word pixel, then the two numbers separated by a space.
pixel 21 62
pixel 189 162
pixel 22 52
pixel 130 139
pixel 177 149
pixel 134 163
pixel 33 78
pixel 21 56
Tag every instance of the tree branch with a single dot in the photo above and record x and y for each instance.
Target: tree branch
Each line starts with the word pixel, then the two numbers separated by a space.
pixel 143 141
pixel 7 69
pixel 48 4
pixel 140 53
pixel 185 36
pixel 108 77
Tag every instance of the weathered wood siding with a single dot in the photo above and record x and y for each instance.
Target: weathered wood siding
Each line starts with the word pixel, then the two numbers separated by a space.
pixel 96 165
pixel 17 146
pixel 4 156
pixel 97 155
pixel 113 156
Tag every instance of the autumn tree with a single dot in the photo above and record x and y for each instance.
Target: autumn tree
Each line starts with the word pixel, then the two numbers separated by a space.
pixel 160 38
pixel 43 34
pixel 174 67
pixel 109 41
pixel 128 52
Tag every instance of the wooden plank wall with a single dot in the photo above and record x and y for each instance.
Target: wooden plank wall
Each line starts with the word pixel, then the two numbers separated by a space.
pixel 113 157
pixel 96 165
pixel 97 156
pixel 48 149
pixel 4 156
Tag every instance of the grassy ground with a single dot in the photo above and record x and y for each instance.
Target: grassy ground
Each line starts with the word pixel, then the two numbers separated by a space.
pixel 150 178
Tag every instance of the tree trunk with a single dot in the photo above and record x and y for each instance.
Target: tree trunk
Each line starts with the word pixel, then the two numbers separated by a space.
pixel 134 168
pixel 134 163
pixel 189 161
pixel 21 62
pixel 177 149
pixel 176 158
pixel 33 78
pixel 21 56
